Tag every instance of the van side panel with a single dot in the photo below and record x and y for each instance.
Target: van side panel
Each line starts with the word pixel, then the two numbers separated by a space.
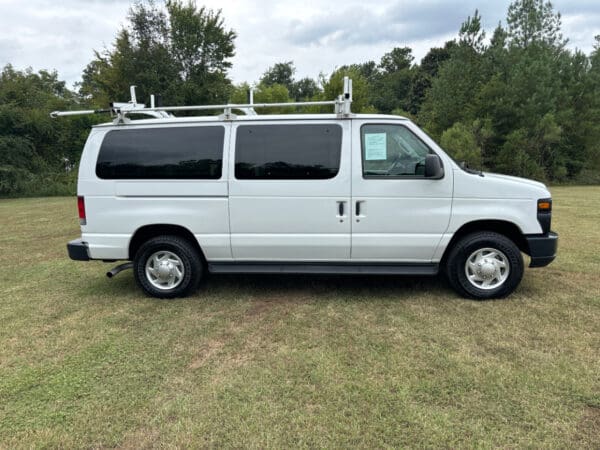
pixel 114 219
pixel 117 208
pixel 292 219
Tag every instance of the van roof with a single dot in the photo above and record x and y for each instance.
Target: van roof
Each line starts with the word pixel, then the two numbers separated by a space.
pixel 253 118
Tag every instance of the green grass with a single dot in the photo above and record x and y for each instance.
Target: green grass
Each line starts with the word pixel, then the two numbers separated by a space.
pixel 294 361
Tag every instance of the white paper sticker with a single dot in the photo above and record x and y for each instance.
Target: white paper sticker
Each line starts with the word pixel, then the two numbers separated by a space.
pixel 375 146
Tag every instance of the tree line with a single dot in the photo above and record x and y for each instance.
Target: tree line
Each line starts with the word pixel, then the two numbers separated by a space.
pixel 517 102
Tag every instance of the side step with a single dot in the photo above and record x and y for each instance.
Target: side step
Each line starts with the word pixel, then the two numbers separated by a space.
pixel 326 268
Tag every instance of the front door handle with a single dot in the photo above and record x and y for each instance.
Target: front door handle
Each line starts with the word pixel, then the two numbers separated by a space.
pixel 358 208
pixel 341 211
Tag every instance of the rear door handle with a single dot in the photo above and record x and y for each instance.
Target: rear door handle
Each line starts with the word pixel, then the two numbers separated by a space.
pixel 341 209
pixel 358 208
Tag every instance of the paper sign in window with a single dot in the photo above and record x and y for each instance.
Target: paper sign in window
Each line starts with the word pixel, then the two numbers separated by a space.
pixel 375 146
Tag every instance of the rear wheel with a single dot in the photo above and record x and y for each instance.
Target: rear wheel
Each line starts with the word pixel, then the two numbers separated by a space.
pixel 484 265
pixel 167 267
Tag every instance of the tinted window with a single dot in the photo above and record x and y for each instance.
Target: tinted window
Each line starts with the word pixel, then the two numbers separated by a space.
pixel 392 150
pixel 287 152
pixel 162 153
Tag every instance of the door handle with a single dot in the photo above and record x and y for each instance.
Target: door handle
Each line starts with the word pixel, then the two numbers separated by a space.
pixel 358 216
pixel 341 209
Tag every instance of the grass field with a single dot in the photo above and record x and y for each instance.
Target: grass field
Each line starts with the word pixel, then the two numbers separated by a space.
pixel 279 362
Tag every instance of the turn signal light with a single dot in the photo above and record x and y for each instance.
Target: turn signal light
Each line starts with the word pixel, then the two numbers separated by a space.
pixel 545 205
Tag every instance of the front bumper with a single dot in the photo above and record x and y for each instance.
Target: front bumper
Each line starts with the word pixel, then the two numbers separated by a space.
pixel 78 250
pixel 542 248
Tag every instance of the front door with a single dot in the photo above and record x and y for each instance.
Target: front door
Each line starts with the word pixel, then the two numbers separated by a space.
pixel 398 215
pixel 289 191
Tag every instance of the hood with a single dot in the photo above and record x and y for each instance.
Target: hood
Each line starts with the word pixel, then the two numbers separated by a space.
pixel 493 185
pixel 526 181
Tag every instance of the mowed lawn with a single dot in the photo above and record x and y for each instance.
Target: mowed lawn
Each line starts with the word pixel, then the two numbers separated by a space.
pixel 286 361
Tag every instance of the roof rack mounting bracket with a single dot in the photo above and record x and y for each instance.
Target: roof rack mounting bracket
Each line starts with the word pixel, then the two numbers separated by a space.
pixel 227 115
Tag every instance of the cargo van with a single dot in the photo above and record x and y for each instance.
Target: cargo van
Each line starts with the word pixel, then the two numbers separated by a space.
pixel 341 193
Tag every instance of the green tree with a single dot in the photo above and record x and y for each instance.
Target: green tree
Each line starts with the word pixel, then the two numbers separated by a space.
pixel 280 73
pixel 592 118
pixel 420 78
pixel 453 91
pixel 283 74
pixel 333 86
pixel 36 151
pixel 182 52
pixel 435 57
pixel 460 142
pixel 275 93
pixel 201 47
pixel 471 35
pixel 304 89
pixel 390 85
pixel 531 101
pixel 529 96
pixel 398 59
pixel 534 21
pixel 140 56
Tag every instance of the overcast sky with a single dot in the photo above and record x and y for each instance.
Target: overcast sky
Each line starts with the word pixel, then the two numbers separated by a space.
pixel 317 35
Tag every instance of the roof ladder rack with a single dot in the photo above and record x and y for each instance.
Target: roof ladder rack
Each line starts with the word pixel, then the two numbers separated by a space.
pixel 120 111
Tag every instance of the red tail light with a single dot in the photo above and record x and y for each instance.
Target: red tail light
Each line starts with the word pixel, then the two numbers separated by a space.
pixel 81 208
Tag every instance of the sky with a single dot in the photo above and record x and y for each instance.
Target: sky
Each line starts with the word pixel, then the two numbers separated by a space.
pixel 317 36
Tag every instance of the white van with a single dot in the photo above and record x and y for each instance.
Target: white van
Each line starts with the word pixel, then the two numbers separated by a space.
pixel 314 193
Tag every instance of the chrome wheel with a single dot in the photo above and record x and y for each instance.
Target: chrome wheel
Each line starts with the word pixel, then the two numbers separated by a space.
pixel 164 270
pixel 487 268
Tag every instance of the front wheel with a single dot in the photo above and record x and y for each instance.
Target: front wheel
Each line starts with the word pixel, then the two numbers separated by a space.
pixel 167 267
pixel 484 265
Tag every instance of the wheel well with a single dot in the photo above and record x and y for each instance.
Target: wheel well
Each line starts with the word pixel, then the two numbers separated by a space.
pixel 149 231
pixel 508 229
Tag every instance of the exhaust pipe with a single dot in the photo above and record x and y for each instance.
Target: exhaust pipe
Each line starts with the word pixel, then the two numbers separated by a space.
pixel 120 268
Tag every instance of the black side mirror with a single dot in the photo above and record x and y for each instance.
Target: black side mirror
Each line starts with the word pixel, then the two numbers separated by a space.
pixel 433 167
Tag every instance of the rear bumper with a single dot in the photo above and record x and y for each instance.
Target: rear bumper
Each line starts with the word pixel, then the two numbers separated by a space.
pixel 542 248
pixel 78 250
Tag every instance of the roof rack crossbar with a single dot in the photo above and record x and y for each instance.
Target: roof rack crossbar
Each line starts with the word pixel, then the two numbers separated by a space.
pixel 55 114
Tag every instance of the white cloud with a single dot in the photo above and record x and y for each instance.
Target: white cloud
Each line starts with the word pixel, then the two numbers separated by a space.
pixel 318 36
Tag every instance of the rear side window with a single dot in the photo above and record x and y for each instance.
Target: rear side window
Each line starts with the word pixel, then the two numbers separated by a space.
pixel 162 153
pixel 287 152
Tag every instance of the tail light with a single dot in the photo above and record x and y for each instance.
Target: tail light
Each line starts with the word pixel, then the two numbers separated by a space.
pixel 81 208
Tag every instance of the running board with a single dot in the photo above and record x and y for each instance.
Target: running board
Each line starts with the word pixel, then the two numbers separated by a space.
pixel 326 268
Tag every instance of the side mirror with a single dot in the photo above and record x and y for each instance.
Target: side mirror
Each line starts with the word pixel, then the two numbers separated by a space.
pixel 433 167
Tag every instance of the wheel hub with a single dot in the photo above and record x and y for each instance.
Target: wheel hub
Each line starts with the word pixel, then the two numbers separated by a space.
pixel 487 268
pixel 165 270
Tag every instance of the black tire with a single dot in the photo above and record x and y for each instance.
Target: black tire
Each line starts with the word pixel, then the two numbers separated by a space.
pixel 189 258
pixel 456 270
